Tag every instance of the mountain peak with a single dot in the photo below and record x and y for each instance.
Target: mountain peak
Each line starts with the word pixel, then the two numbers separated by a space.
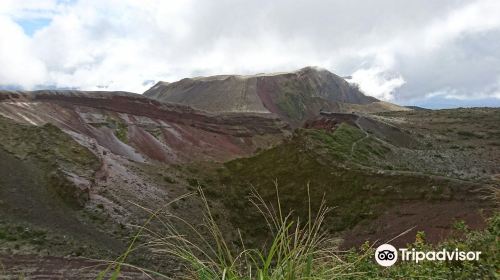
pixel 312 68
pixel 294 96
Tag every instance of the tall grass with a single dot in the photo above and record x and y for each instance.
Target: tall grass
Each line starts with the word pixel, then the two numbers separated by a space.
pixel 296 250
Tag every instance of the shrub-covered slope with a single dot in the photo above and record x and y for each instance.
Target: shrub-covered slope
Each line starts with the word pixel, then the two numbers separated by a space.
pixel 356 165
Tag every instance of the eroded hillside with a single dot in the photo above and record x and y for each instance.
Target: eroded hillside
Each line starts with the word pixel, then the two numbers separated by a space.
pixel 293 96
pixel 80 170
pixel 380 176
pixel 78 166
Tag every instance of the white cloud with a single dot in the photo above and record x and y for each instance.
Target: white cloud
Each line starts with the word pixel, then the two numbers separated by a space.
pixel 491 91
pixel 377 82
pixel 19 65
pixel 29 9
pixel 403 51
pixel 479 16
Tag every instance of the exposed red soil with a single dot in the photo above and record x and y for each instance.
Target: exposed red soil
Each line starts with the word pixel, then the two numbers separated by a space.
pixel 266 87
pixel 148 145
pixel 185 134
pixel 139 106
pixel 330 121
pixel 434 218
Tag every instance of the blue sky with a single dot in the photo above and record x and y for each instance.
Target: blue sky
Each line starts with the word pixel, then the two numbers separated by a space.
pixel 448 103
pixel 432 54
pixel 31 25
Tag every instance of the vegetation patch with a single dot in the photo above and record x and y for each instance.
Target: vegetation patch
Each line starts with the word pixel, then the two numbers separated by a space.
pixel 48 144
pixel 300 249
pixel 355 194
pixel 339 142
pixel 120 129
pixel 486 241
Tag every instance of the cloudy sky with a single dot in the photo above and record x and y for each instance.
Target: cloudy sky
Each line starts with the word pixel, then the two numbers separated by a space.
pixel 430 53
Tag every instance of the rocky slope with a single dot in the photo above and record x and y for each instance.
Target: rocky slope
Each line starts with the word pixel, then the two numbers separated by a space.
pixel 377 174
pixel 294 96
pixel 78 171
pixel 76 166
pixel 142 129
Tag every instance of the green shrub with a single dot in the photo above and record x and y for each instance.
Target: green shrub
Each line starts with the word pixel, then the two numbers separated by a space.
pixel 487 241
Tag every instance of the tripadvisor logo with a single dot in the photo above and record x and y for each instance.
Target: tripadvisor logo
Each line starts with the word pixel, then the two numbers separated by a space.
pixel 387 255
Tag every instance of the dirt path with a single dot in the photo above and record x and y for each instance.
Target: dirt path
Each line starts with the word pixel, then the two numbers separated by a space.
pixel 353 145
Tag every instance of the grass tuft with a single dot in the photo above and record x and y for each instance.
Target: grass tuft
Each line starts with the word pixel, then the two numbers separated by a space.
pixel 297 249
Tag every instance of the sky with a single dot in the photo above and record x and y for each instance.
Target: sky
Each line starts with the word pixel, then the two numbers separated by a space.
pixel 436 54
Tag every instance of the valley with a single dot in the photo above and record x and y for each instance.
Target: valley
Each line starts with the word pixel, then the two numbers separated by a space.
pixel 81 171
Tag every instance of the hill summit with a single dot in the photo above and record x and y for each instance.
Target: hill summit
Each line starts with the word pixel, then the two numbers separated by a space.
pixel 294 96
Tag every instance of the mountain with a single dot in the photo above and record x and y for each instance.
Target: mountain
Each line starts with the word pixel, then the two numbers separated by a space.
pixel 142 129
pixel 79 171
pixel 294 96
pixel 416 108
pixel 74 166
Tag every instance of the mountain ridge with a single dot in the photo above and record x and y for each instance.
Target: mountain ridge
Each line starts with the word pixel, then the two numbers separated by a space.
pixel 135 116
pixel 294 96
